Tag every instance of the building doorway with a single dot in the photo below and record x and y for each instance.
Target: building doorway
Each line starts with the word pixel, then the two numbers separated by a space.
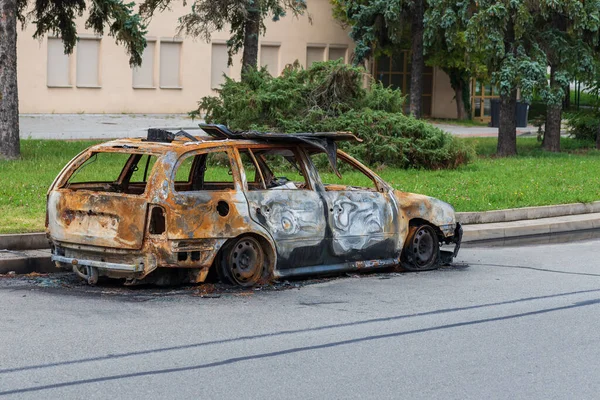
pixel 482 94
pixel 394 72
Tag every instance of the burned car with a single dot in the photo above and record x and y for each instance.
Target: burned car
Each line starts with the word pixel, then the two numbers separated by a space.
pixel 249 206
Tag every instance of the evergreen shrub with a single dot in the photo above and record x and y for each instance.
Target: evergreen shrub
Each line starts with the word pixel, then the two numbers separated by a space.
pixel 331 96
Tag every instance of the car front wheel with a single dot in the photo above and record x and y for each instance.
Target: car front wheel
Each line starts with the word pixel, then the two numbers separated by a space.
pixel 421 250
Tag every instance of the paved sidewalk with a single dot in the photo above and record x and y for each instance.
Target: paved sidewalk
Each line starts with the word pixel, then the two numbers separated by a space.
pixel 482 131
pixel 110 126
pixel 98 126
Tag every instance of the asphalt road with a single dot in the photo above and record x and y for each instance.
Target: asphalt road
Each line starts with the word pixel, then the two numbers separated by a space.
pixel 520 322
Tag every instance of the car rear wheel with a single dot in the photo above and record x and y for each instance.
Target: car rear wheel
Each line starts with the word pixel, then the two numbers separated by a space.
pixel 421 250
pixel 243 262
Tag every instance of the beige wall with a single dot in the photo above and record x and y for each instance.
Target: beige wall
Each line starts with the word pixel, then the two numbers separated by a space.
pixel 444 104
pixel 115 92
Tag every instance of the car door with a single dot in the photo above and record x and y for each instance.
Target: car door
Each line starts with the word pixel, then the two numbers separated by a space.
pixel 282 199
pixel 362 212
pixel 206 200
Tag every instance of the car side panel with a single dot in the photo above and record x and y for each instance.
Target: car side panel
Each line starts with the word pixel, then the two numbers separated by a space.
pixel 363 225
pixel 296 221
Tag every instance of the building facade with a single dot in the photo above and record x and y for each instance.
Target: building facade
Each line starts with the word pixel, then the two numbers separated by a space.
pixel 177 71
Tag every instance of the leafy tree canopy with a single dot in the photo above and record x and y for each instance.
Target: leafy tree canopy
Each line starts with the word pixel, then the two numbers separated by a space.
pixel 57 17
pixel 377 26
pixel 516 39
pixel 208 16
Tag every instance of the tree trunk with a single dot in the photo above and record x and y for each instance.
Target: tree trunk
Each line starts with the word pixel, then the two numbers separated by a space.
pixel 459 81
pixel 567 100
pixel 551 140
pixel 507 133
pixel 251 33
pixel 461 112
pixel 416 73
pixel 9 98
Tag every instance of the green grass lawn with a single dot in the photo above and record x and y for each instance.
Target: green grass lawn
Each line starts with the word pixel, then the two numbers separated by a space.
pixel 488 183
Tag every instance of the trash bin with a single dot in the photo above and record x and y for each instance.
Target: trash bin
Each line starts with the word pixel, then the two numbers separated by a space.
pixel 522 110
pixel 495 112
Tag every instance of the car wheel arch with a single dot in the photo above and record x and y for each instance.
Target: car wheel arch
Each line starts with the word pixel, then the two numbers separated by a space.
pixel 421 221
pixel 266 243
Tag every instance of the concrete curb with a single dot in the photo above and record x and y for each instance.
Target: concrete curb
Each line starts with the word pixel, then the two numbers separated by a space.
pixel 527 213
pixel 24 241
pixel 533 227
pixel 26 261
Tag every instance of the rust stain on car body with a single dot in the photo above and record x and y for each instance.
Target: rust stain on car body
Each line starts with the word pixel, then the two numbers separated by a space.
pixel 195 203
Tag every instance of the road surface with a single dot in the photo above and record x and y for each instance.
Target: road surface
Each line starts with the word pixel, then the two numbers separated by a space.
pixel 518 322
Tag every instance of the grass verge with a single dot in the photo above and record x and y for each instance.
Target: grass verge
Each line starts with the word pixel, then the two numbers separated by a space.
pixel 533 178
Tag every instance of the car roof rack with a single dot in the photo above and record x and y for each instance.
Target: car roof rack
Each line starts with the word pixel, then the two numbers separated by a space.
pixel 325 141
pixel 165 136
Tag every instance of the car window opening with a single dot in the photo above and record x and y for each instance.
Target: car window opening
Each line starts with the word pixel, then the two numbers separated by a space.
pixel 207 171
pixel 350 175
pixel 113 173
pixel 273 169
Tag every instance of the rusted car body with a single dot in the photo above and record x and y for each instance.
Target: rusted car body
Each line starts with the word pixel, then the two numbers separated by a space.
pixel 163 210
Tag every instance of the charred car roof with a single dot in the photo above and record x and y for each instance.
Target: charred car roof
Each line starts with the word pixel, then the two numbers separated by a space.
pixel 161 141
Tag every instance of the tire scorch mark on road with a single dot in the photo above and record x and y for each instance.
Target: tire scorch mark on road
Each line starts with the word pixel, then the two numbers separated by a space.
pixel 536 269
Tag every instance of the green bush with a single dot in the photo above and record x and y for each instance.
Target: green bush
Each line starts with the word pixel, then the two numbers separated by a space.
pixel 330 96
pixel 583 125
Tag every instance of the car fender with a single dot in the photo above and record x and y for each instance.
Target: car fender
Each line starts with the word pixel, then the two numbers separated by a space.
pixel 436 212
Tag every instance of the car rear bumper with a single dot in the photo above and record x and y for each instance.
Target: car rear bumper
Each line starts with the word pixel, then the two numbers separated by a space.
pixel 99 264
pixel 90 265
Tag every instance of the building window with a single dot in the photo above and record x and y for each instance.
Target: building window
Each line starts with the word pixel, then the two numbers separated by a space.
pixel 143 76
pixel 481 100
pixel 335 53
pixel 269 58
pixel 170 65
pixel 59 65
pixel 88 60
pixel 314 54
pixel 394 71
pixel 218 65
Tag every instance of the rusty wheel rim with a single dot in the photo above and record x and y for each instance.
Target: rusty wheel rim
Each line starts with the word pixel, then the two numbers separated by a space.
pixel 246 261
pixel 423 247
